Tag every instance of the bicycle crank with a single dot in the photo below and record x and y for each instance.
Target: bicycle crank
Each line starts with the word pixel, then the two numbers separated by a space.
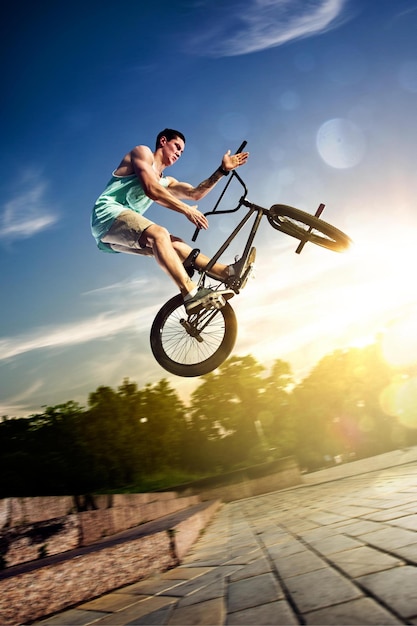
pixel 192 330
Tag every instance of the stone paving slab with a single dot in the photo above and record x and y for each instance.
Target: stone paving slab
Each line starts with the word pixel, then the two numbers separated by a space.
pixel 152 610
pixel 396 588
pixel 363 611
pixel 339 551
pixel 264 615
pixel 363 560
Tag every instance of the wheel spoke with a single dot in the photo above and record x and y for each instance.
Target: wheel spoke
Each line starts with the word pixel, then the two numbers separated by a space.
pixel 181 347
pixel 195 345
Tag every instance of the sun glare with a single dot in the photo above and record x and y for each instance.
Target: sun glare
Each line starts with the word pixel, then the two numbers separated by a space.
pixel 399 340
pixel 377 271
pixel 399 400
pixel 385 262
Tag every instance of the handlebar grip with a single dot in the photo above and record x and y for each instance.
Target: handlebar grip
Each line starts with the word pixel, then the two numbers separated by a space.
pixel 240 149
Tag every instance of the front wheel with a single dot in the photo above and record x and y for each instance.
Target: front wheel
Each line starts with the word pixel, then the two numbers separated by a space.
pixel 195 345
pixel 306 227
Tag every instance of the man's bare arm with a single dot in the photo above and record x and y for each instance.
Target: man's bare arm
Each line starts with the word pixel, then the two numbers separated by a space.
pixel 187 191
pixel 142 159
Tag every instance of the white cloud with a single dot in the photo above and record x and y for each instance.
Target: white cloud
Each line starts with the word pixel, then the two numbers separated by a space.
pixel 260 24
pixel 27 213
pixel 16 405
pixel 96 328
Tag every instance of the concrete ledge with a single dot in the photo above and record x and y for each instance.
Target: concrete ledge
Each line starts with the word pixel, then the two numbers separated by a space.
pixel 31 591
pixel 22 540
pixel 187 531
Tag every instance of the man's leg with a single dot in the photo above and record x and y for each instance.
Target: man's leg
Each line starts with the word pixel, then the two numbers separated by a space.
pixel 183 250
pixel 165 250
pixel 134 233
pixel 168 257
pixel 241 268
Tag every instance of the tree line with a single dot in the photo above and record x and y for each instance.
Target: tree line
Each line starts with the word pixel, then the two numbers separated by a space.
pixel 144 439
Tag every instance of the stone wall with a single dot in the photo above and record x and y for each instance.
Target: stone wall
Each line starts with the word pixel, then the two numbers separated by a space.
pixel 35 590
pixel 34 594
pixel 34 528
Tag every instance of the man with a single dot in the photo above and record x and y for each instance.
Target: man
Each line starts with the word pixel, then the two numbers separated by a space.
pixel 118 224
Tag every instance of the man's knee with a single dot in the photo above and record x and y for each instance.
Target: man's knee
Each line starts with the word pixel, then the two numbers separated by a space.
pixel 157 234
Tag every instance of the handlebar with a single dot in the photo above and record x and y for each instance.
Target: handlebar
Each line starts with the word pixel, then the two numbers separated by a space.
pixel 242 145
pixel 234 175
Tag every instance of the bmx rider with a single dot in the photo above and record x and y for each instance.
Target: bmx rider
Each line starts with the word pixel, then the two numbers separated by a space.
pixel 118 223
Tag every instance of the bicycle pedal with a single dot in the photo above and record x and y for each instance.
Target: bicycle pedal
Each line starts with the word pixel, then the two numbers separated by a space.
pixel 213 301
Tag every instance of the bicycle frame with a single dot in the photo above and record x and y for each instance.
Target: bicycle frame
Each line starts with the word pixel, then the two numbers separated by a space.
pixel 195 344
pixel 253 209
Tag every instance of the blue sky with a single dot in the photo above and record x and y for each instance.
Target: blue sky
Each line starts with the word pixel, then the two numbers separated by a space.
pixel 325 93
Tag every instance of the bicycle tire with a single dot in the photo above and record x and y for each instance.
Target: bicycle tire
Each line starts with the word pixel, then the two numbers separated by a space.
pixel 183 355
pixel 293 222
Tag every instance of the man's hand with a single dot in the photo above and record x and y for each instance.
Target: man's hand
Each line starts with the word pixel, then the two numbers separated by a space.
pixel 196 217
pixel 188 192
pixel 231 162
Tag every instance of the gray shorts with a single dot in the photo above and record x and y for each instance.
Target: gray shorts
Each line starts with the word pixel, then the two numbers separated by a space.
pixel 126 231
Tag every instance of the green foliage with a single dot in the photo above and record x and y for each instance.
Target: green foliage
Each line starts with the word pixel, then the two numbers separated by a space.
pixel 223 410
pixel 337 408
pixel 140 439
pixel 41 454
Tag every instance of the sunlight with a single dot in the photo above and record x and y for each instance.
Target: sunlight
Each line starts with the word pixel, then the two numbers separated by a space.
pixel 399 340
pixel 378 288
pixel 322 301
pixel 399 399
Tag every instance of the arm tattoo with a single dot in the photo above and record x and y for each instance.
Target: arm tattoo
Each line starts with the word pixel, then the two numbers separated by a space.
pixel 209 182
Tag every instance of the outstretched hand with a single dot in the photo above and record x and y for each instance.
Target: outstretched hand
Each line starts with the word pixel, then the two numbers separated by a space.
pixel 232 161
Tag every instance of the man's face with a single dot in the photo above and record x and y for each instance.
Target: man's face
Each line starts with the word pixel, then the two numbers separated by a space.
pixel 172 150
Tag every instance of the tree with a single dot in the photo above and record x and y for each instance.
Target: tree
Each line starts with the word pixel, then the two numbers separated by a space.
pixel 163 426
pixel 238 415
pixel 224 409
pixel 111 427
pixel 41 455
pixel 337 407
pixel 277 415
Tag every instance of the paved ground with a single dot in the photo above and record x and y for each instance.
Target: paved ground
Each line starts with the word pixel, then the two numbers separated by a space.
pixel 341 549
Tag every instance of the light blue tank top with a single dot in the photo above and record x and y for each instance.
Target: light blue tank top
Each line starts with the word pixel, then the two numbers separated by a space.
pixel 121 193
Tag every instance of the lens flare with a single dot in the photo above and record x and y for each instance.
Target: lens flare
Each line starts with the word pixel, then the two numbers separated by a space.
pixel 341 143
pixel 399 341
pixel 399 399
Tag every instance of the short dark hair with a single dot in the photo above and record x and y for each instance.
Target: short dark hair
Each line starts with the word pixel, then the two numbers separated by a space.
pixel 169 133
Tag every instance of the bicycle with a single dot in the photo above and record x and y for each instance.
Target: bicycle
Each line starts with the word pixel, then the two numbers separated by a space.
pixel 193 345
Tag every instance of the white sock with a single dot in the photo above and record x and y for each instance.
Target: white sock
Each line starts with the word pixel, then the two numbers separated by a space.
pixel 190 294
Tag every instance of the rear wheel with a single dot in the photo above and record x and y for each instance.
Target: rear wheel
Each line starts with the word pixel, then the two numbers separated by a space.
pixel 192 345
pixel 306 227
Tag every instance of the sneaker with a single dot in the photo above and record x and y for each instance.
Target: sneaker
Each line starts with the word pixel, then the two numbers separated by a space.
pixel 194 304
pixel 207 298
pixel 242 269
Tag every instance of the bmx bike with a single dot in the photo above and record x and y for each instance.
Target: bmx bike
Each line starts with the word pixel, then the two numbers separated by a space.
pixel 196 344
